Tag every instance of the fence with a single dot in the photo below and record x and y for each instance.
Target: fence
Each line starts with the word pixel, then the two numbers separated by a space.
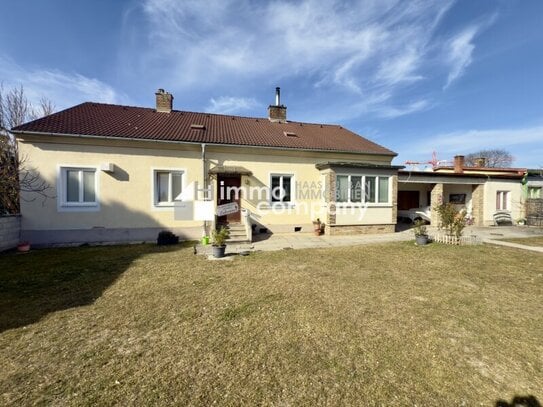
pixel 10 231
pixel 534 212
pixel 462 240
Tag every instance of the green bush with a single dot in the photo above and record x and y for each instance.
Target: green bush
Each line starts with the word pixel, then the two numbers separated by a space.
pixel 451 219
pixel 219 236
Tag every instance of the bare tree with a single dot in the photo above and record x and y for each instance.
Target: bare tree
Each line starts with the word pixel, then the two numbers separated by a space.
pixel 15 174
pixel 492 158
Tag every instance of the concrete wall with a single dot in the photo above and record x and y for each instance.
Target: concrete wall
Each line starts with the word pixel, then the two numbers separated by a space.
pixel 126 209
pixel 10 229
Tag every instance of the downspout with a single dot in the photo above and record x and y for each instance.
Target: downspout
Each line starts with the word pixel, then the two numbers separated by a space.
pixel 204 174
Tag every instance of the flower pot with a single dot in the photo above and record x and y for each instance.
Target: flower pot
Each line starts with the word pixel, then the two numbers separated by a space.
pixel 317 228
pixel 23 247
pixel 421 240
pixel 205 240
pixel 218 251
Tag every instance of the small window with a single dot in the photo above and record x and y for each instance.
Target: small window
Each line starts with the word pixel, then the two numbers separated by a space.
pixel 502 200
pixel 371 189
pixel 168 186
pixel 78 186
pixel 342 188
pixel 534 192
pixel 383 189
pixel 281 188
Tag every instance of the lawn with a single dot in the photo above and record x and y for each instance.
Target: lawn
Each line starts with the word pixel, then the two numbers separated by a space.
pixel 388 325
pixel 528 241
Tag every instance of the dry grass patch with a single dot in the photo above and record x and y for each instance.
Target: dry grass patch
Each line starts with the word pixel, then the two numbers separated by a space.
pixel 387 324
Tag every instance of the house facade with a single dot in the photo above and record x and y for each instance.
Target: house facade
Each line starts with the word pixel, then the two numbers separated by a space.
pixel 482 192
pixel 120 173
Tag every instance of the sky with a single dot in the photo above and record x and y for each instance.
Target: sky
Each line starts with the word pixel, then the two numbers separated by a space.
pixel 416 76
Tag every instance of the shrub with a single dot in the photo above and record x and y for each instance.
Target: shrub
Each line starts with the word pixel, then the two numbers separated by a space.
pixel 219 236
pixel 451 219
pixel 420 228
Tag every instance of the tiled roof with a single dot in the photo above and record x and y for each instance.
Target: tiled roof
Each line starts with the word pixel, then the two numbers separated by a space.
pixel 103 120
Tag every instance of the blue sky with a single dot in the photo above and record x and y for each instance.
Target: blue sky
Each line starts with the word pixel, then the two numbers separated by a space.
pixel 416 76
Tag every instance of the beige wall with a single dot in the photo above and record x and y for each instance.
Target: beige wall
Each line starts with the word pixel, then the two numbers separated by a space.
pixel 126 195
pixel 515 199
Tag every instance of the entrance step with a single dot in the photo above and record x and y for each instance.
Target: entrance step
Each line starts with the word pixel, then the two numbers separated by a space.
pixel 237 233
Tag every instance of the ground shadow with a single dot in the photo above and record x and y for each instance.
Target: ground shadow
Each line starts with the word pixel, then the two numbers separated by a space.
pixel 43 281
pixel 519 401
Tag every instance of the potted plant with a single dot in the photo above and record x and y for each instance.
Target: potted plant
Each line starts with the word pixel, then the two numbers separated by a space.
pixel 219 241
pixel 421 234
pixel 317 227
pixel 23 247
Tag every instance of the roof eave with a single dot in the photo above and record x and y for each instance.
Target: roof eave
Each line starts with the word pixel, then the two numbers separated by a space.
pixel 37 133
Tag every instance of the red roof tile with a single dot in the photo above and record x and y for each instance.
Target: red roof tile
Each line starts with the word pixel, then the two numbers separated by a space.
pixel 103 120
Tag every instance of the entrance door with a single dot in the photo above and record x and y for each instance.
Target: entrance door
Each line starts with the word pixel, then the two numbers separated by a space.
pixel 408 200
pixel 228 191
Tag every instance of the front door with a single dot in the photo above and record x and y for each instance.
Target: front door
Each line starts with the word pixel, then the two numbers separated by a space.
pixel 408 200
pixel 229 191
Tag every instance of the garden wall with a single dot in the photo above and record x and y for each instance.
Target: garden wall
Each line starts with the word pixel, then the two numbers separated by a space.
pixel 10 231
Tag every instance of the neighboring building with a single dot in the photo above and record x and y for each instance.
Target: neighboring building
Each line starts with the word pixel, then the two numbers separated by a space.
pixel 118 172
pixel 481 191
pixel 533 192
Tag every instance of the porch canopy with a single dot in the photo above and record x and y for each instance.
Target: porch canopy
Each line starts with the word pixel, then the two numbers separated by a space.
pixel 356 164
pixel 229 170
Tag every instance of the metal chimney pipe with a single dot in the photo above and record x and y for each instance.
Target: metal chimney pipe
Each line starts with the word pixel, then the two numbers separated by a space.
pixel 278 96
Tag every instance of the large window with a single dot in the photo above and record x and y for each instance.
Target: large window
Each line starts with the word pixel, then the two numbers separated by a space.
pixel 78 187
pixel 167 186
pixel 281 188
pixel 502 200
pixel 362 189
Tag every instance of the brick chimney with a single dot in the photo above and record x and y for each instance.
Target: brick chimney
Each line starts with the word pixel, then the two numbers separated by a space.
pixel 480 162
pixel 164 101
pixel 459 164
pixel 278 112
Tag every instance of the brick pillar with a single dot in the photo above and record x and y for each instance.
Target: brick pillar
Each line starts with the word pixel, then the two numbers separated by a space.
pixel 436 198
pixel 394 180
pixel 477 204
pixel 330 198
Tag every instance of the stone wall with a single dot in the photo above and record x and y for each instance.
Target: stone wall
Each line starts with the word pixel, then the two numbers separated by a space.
pixel 336 230
pixel 436 198
pixel 10 231
pixel 478 204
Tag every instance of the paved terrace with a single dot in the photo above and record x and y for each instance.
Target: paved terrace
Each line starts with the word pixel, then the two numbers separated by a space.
pixel 270 242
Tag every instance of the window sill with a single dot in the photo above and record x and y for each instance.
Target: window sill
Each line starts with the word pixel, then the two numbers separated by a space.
pixel 79 207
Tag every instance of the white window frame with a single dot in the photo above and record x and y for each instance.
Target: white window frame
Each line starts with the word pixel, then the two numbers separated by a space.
pixel 292 201
pixel 62 189
pixel 503 200
pixel 154 186
pixel 349 201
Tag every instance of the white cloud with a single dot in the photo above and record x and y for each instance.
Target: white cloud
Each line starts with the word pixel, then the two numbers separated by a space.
pixel 63 89
pixel 519 141
pixel 460 53
pixel 459 49
pixel 231 105
pixel 363 50
pixel 397 111
pixel 470 140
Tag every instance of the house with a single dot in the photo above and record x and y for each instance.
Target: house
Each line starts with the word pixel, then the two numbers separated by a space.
pixel 482 191
pixel 123 173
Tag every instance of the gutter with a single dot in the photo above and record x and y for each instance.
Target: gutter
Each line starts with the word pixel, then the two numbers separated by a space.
pixel 88 136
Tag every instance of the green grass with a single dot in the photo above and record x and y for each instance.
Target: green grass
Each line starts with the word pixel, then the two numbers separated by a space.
pixel 528 241
pixel 388 324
